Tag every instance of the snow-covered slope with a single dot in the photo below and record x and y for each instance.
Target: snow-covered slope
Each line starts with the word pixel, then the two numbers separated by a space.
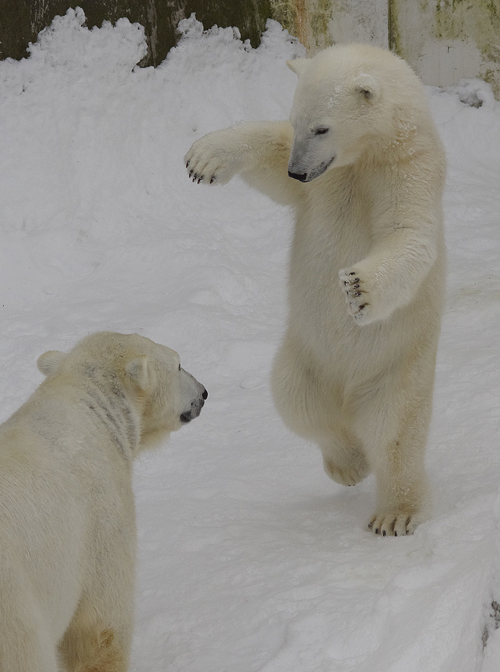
pixel 250 558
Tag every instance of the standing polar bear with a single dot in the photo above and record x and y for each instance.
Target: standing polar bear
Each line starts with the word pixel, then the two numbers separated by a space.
pixel 67 522
pixel 363 166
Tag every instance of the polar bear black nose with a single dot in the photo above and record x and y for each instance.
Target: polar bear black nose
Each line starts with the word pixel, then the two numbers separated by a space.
pixel 301 177
pixel 196 407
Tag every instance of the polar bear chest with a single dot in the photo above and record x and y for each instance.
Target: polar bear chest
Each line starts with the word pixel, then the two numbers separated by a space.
pixel 332 231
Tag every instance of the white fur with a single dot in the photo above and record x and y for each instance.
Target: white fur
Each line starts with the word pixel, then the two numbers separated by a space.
pixel 67 522
pixel 355 371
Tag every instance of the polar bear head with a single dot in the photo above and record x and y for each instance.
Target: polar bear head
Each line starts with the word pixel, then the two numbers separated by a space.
pixel 130 370
pixel 350 100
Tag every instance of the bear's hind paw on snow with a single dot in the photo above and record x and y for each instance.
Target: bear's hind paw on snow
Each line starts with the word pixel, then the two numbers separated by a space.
pixel 394 524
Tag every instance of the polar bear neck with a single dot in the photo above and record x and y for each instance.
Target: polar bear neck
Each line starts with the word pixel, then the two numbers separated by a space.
pixel 110 405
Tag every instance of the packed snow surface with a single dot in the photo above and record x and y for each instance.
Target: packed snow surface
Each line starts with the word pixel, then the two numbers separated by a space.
pixel 250 558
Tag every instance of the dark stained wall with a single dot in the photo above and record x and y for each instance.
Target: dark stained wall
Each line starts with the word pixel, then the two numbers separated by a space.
pixel 22 20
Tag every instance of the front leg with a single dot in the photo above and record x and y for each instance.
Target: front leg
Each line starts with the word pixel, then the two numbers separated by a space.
pixel 216 157
pixel 367 300
pixel 258 151
pixel 357 295
pixel 391 275
pixel 406 231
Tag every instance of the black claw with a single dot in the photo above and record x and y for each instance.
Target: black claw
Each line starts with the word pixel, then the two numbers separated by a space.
pixel 352 273
pixel 201 178
pixel 356 286
pixel 212 179
pixel 370 525
pixel 363 306
pixel 384 533
pixel 395 533
pixel 376 531
pixel 191 172
pixel 357 293
pixel 187 164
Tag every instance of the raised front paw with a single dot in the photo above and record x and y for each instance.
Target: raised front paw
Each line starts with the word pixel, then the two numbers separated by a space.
pixel 357 296
pixel 213 159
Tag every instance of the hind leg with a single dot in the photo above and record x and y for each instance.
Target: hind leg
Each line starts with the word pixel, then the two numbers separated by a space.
pixel 99 636
pixel 96 642
pixel 393 425
pixel 310 408
pixel 94 650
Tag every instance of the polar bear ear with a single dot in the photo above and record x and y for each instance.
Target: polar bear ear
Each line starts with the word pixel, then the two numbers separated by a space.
pixel 297 65
pixel 50 361
pixel 137 371
pixel 367 86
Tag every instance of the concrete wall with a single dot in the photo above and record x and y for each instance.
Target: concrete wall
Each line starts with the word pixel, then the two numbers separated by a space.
pixel 446 40
pixel 321 23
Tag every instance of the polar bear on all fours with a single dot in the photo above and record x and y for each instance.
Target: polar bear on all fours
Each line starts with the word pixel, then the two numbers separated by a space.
pixel 364 168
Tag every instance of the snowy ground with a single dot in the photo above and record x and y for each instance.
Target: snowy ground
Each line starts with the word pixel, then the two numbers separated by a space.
pixel 250 558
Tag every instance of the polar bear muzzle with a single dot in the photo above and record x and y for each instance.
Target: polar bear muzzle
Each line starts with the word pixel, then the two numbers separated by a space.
pixel 313 174
pixel 194 396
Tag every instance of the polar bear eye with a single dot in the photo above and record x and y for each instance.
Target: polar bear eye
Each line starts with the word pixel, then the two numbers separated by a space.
pixel 321 131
